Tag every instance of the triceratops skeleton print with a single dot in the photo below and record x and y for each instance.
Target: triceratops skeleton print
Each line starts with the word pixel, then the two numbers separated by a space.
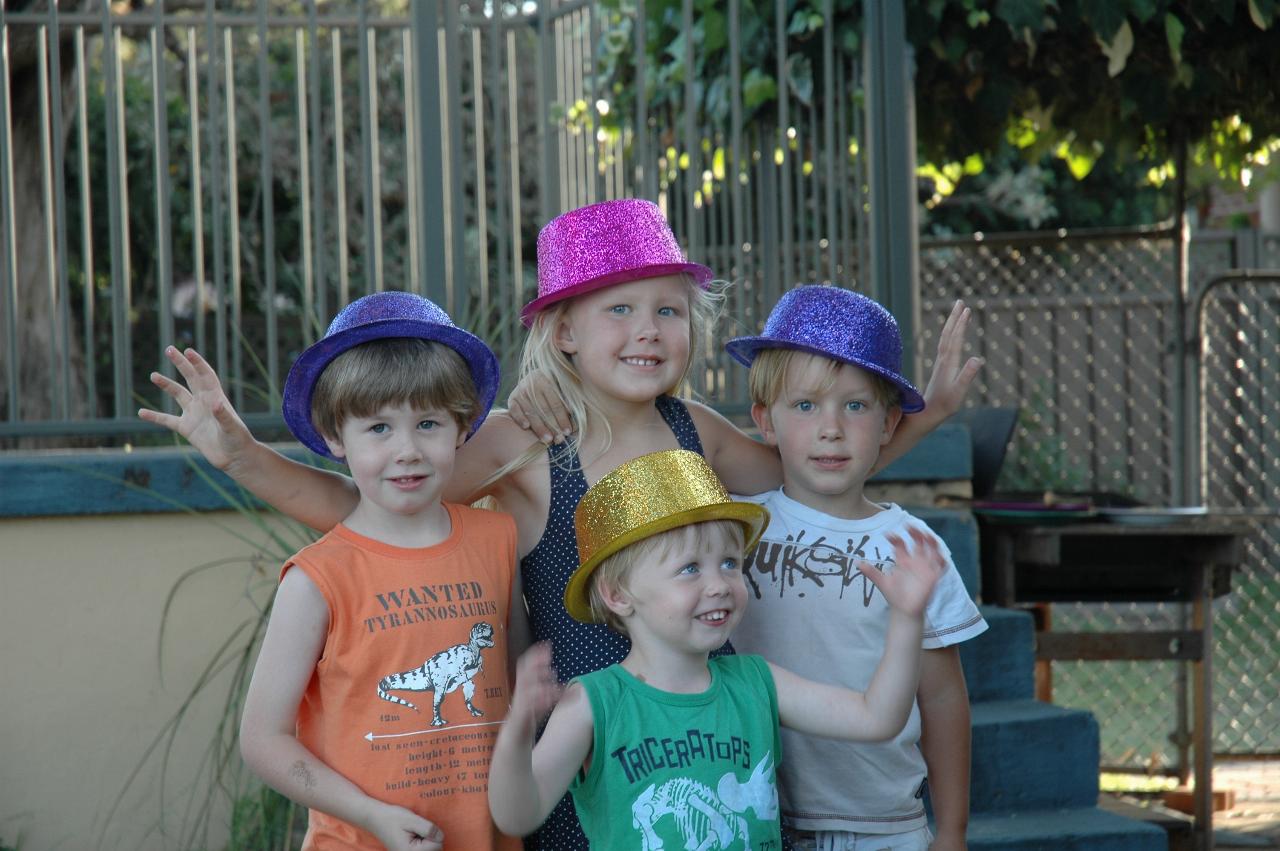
pixel 707 820
pixel 443 673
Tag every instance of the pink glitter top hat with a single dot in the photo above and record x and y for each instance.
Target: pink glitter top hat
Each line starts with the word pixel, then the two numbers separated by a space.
pixel 603 244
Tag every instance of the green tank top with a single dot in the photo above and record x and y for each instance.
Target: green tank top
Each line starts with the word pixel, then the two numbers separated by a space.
pixel 683 770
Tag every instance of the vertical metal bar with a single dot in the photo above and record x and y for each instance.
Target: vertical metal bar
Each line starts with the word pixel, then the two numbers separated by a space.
pixel 366 160
pixel 456 223
pixel 548 156
pixel 594 140
pixel 373 166
pixel 60 219
pixel 494 78
pixel 564 149
pixel 517 241
pixel 117 200
pixel 411 165
pixel 829 90
pixel 860 180
pixel 267 178
pixel 693 172
pixel 216 177
pixel 10 237
pixel 736 171
pixel 57 400
pixel 197 197
pixel 482 202
pixel 233 213
pixel 645 171
pixel 430 153
pixel 784 139
pixel 304 181
pixel 164 231
pixel 319 314
pixel 88 315
pixel 340 174
pixel 447 197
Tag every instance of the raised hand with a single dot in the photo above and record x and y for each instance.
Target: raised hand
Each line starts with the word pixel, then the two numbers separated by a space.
pixel 536 688
pixel 909 585
pixel 208 421
pixel 536 406
pixel 949 383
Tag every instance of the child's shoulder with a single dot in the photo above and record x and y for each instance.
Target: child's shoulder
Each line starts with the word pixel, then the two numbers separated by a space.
pixel 482 521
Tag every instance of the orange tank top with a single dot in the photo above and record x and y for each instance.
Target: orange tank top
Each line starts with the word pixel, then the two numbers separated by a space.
pixel 411 687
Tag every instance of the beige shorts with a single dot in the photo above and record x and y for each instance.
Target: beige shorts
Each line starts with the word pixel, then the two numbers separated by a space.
pixel 839 840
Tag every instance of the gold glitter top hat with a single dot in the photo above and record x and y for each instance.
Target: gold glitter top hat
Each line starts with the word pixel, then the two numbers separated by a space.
pixel 647 495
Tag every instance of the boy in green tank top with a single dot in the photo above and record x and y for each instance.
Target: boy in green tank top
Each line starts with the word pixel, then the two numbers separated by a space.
pixel 671 748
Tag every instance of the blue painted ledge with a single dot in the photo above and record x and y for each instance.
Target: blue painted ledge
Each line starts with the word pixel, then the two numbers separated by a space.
pixel 945 454
pixel 116 481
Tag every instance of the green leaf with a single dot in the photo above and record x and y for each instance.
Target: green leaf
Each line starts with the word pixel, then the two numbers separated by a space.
pixel 1106 16
pixel 1143 10
pixel 1021 14
pixel 758 88
pixel 1262 13
pixel 800 77
pixel 715 31
pixel 1118 50
pixel 1174 29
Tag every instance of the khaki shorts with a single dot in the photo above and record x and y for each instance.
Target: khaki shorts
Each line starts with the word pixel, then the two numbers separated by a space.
pixel 839 840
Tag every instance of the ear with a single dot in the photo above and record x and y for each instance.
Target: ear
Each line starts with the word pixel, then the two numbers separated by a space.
pixel 764 421
pixel 616 598
pixel 335 446
pixel 892 417
pixel 462 436
pixel 563 336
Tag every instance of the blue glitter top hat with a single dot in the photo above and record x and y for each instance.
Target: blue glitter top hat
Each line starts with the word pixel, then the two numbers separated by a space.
pixel 839 324
pixel 381 316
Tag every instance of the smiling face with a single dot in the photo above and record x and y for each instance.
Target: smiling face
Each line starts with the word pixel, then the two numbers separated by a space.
pixel 400 457
pixel 829 427
pixel 685 592
pixel 630 341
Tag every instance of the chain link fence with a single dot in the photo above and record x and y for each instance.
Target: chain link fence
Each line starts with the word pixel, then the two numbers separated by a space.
pixel 1079 332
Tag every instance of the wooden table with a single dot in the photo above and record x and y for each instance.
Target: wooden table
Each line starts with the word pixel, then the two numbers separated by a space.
pixel 1187 561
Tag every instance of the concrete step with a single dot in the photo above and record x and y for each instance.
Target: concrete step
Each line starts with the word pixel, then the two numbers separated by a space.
pixel 1029 755
pixel 1000 663
pixel 1073 829
pixel 959 531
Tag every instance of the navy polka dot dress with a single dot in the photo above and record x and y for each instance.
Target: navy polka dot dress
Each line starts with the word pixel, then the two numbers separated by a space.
pixel 578 648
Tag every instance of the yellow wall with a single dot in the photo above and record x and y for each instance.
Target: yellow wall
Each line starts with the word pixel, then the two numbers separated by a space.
pixel 84 693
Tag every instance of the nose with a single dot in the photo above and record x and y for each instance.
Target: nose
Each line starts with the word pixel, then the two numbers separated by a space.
pixel 829 427
pixel 407 449
pixel 717 584
pixel 646 328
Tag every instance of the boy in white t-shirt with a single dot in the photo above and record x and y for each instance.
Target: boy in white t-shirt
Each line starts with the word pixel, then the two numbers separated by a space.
pixel 827 391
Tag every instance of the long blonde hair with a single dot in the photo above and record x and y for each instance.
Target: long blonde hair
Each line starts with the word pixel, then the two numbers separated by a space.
pixel 541 355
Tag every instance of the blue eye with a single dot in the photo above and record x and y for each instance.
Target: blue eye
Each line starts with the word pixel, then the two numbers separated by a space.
pixel 804 405
pixel 667 311
pixel 428 425
pixel 378 428
pixel 689 569
pixel 620 309
pixel 856 406
pixel 730 564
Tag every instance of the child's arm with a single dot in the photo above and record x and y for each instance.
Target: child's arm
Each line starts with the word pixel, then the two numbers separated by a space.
pixel 317 498
pixel 745 465
pixel 944 741
pixel 881 711
pixel 268 742
pixel 945 392
pixel 526 781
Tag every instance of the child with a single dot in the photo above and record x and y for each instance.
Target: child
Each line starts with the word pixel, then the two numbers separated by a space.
pixel 830 401
pixel 671 748
pixel 619 313
pixel 385 661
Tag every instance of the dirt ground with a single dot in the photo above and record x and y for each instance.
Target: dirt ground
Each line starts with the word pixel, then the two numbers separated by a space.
pixel 1254 821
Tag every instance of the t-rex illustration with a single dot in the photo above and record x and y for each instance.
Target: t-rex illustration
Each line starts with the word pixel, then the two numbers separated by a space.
pixel 443 673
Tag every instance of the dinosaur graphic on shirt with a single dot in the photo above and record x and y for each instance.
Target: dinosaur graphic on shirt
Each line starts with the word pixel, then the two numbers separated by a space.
pixel 443 673
pixel 705 819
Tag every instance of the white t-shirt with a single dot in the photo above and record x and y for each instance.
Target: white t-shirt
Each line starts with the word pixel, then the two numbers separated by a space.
pixel 812 612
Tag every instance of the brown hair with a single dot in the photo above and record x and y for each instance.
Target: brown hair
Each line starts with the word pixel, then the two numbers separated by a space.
pixel 395 370
pixel 768 377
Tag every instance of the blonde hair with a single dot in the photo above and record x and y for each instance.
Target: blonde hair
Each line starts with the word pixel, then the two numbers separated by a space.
pixel 541 355
pixel 768 377
pixel 389 371
pixel 612 572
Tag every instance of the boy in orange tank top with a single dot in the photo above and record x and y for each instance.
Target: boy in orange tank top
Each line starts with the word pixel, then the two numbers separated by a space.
pixel 383 677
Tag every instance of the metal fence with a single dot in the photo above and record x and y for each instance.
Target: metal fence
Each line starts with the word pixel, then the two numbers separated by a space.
pixel 1081 332
pixel 229 177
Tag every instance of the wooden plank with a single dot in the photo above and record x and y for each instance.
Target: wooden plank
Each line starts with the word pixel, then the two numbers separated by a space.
pixel 1110 646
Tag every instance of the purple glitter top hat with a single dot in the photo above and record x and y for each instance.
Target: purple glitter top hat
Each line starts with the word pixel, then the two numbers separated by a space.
pixel 380 316
pixel 838 324
pixel 603 244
